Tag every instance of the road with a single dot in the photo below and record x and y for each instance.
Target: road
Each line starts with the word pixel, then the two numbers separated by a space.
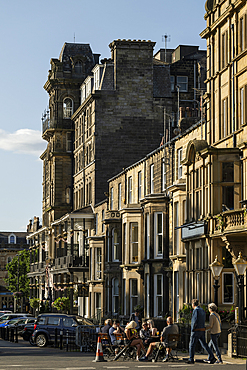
pixel 22 356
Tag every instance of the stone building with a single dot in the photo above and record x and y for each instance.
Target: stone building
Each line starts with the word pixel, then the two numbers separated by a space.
pixel 208 216
pixel 10 244
pixel 104 117
pixel 138 243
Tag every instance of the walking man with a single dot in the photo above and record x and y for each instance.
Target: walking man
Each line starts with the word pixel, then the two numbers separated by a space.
pixel 198 332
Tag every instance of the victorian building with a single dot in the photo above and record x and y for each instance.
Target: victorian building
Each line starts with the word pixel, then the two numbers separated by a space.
pixel 209 192
pixel 102 118
pixel 10 244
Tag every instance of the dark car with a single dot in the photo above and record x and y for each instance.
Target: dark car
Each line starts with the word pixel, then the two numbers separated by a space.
pixel 27 331
pixel 47 324
pixel 20 323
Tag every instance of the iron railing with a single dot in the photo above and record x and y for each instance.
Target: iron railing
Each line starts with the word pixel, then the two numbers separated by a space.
pixel 239 340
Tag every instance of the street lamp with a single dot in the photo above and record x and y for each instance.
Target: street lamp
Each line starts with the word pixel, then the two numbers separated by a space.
pixel 216 268
pixel 240 266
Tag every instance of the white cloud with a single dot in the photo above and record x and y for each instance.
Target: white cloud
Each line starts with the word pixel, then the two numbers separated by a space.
pixel 23 141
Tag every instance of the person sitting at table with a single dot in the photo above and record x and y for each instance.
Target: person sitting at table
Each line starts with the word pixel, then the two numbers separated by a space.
pixel 133 338
pixel 145 334
pixel 116 329
pixel 169 329
pixel 106 328
pixel 151 327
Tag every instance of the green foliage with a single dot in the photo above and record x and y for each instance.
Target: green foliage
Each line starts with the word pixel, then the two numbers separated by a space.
pixel 221 222
pixel 44 308
pixel 138 307
pixel 61 303
pixel 23 268
pixel 185 314
pixel 35 302
pixel 227 315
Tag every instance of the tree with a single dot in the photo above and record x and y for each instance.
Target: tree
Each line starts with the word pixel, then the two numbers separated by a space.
pixel 19 267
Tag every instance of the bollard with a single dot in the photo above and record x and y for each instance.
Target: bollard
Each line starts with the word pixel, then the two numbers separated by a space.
pixel 55 339
pixel 11 334
pixel 67 340
pixel 61 339
pixel 7 334
pixel 16 335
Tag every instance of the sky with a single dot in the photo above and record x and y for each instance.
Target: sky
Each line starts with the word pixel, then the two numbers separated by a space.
pixel 34 31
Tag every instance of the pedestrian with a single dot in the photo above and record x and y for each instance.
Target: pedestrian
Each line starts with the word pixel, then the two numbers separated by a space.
pixel 215 329
pixel 198 332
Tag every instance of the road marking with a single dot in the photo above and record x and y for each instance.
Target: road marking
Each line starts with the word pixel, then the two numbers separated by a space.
pixel 80 368
pixel 148 366
pixel 116 367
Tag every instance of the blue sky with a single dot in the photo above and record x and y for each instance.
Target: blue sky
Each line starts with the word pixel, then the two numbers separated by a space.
pixel 33 32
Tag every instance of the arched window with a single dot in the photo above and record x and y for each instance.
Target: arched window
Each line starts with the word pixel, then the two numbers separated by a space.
pixel 67 108
pixel 115 295
pixel 9 259
pixel 115 246
pixel 78 67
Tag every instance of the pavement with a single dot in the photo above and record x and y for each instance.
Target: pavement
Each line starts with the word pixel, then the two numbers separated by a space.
pixel 23 356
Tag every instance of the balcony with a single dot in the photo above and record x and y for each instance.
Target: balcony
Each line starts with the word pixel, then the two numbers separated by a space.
pixel 229 222
pixel 70 261
pixel 37 267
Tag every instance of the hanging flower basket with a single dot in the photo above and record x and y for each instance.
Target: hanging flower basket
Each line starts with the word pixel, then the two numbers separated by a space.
pixel 61 303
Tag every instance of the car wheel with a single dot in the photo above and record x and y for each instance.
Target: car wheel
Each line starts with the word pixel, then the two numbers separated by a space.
pixel 41 340
pixel 31 341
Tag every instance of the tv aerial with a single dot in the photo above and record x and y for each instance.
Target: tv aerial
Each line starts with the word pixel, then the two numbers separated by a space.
pixel 166 38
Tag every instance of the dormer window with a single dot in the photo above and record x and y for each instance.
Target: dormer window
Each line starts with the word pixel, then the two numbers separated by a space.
pixel 12 239
pixel 67 108
pixel 78 68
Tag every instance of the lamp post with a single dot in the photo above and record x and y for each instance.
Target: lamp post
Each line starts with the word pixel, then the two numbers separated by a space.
pixel 240 266
pixel 216 268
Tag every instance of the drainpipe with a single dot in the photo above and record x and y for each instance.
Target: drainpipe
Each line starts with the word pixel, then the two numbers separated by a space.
pixel 210 113
pixel 233 86
pixel 194 83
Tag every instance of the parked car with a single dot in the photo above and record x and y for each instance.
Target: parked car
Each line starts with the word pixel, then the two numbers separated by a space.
pixel 6 323
pixel 4 312
pixel 44 329
pixel 9 316
pixel 20 323
pixel 27 332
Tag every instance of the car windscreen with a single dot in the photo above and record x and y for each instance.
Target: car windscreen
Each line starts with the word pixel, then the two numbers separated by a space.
pixel 41 320
pixel 13 321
